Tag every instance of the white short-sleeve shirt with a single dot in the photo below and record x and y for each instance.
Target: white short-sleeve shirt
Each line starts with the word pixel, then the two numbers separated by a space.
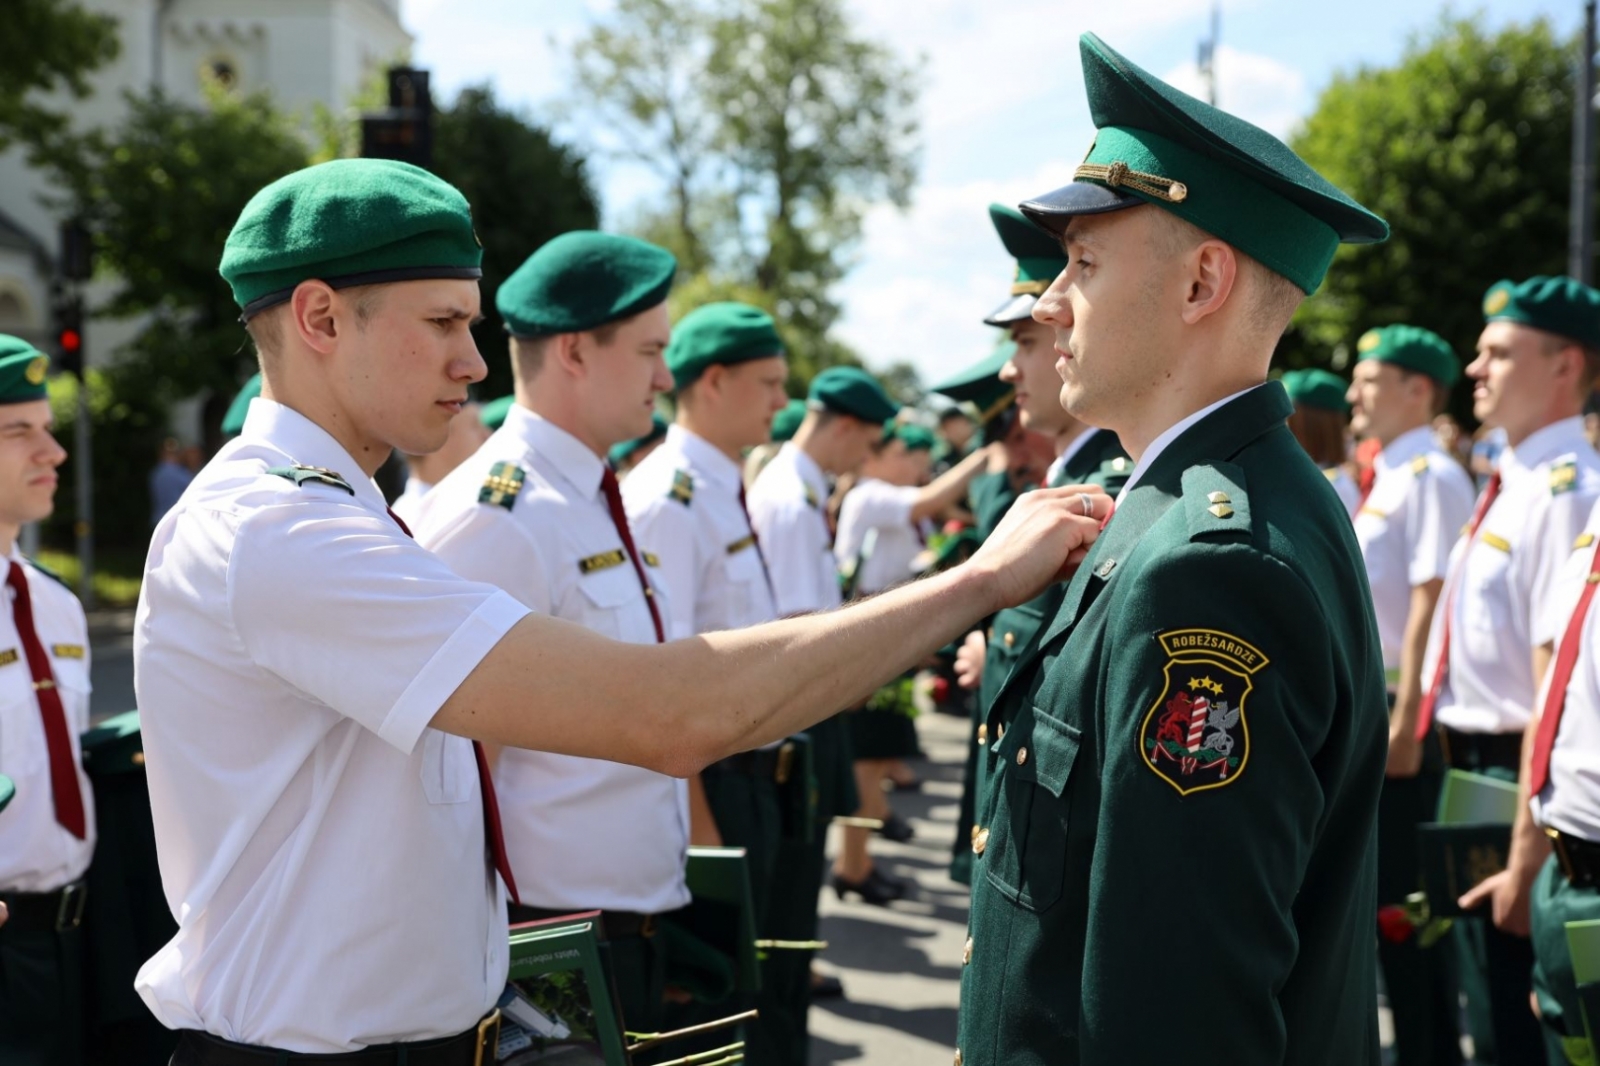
pixel 884 511
pixel 1570 800
pixel 1344 487
pixel 582 834
pixel 786 508
pixel 1499 590
pixel 1420 499
pixel 322 848
pixel 683 505
pixel 407 504
pixel 36 853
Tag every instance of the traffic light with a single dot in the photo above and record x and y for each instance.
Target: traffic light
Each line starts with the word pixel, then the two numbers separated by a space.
pixel 69 335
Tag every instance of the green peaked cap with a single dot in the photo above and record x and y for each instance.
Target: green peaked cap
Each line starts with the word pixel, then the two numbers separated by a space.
pixel 1039 259
pixel 980 384
pixel 852 391
pixel 787 420
pixel 1559 305
pixel 23 369
pixel 493 414
pixel 1413 348
pixel 1317 388
pixel 1236 181
pixel 233 421
pixel 720 333
pixel 348 222
pixel 583 280
pixel 620 453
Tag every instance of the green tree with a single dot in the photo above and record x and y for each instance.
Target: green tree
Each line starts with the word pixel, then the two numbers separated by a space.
pixel 524 188
pixel 777 127
pixel 47 45
pixel 1464 147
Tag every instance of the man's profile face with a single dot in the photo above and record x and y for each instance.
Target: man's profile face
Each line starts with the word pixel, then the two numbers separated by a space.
pixel 957 430
pixel 856 438
pixel 1380 396
pixel 1032 371
pixel 1112 336
pixel 1514 377
pixel 403 373
pixel 624 375
pixel 752 392
pixel 29 455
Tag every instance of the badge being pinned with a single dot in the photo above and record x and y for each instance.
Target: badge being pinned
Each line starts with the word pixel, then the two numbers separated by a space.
pixel 1195 736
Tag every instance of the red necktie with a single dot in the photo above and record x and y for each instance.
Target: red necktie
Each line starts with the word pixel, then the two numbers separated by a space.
pixel 755 539
pixel 1442 667
pixel 1555 700
pixel 494 835
pixel 619 518
pixel 63 772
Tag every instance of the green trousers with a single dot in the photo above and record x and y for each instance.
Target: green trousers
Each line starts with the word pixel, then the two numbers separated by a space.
pixel 1556 901
pixel 42 1019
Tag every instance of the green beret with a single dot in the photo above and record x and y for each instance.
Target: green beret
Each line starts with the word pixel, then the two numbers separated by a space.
pixel 1559 305
pixel 620 453
pixel 916 438
pixel 348 222
pixel 849 390
pixel 1237 182
pixel 493 414
pixel 788 419
pixel 724 333
pixel 233 421
pixel 583 280
pixel 980 384
pixel 1317 388
pixel 1413 348
pixel 1039 259
pixel 23 369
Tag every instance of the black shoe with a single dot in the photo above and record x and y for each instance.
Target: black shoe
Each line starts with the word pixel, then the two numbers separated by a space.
pixel 897 829
pixel 899 886
pixel 874 889
pixel 826 987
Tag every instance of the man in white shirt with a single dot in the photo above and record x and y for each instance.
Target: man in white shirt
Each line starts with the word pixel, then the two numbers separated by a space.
pixel 537 512
pixel 47 834
pixel 1420 499
pixel 308 675
pixel 423 472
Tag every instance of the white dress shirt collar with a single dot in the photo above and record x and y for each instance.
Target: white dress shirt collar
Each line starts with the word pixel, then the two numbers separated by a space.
pixel 310 445
pixel 1160 444
pixel 707 459
pixel 1406 447
pixel 1543 445
pixel 564 455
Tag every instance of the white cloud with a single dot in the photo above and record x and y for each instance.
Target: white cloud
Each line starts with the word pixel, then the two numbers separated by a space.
pixel 1256 88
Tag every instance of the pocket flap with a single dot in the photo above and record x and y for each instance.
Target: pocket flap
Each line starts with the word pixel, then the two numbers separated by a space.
pixel 616 586
pixel 1054 748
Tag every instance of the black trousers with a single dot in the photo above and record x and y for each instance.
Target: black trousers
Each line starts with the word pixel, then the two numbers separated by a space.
pixel 42 1018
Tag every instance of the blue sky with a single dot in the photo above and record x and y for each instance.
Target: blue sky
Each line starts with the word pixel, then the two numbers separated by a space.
pixel 1002 111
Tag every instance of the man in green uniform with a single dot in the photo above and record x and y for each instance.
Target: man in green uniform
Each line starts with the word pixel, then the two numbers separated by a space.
pixel 1175 859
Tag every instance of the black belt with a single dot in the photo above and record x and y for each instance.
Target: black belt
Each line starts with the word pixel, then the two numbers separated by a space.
pixel 768 764
pixel 1480 751
pixel 45 912
pixel 475 1047
pixel 1578 858
pixel 614 925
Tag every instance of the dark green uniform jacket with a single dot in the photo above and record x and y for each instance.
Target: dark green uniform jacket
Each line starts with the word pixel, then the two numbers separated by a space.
pixel 1177 845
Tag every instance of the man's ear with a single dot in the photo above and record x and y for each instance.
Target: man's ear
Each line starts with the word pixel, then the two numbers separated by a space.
pixel 314 316
pixel 1212 268
pixel 569 352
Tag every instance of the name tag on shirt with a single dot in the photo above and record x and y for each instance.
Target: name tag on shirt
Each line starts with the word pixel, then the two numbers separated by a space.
pixel 603 561
pixel 67 651
pixel 8 656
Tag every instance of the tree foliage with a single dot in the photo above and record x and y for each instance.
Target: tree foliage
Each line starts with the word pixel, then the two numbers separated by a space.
pixel 1464 147
pixel 775 125
pixel 524 188
pixel 47 45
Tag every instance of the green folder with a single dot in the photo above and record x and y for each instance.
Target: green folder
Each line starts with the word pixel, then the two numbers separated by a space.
pixel 1583 941
pixel 722 912
pixel 559 1004
pixel 1470 840
pixel 7 790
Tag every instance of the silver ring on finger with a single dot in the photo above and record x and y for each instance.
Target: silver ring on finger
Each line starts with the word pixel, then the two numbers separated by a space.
pixel 1088 508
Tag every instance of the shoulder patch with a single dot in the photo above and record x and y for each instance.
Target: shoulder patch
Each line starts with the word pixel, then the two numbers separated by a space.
pixel 1583 541
pixel 1563 476
pixel 1215 501
pixel 682 488
pixel 811 498
pixel 502 486
pixel 316 474
pixel 603 561
pixel 1195 736
pixel 1419 465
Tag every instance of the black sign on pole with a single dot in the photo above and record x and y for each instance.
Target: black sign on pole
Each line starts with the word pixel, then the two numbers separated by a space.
pixel 405 130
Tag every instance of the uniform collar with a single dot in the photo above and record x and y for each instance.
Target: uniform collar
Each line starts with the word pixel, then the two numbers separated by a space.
pixel 308 444
pixel 706 458
pixel 560 451
pixel 1543 445
pixel 812 474
pixel 1159 445
pixel 1406 447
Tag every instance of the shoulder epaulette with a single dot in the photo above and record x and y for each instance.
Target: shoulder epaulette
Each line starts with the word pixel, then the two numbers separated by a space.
pixel 1419 465
pixel 811 498
pixel 1331 473
pixel 682 488
pixel 1215 501
pixel 1563 476
pixel 49 573
pixel 1583 541
pixel 1113 474
pixel 501 487
pixel 316 474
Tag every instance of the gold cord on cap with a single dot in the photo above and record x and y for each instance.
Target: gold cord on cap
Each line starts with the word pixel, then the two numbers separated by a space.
pixel 1117 175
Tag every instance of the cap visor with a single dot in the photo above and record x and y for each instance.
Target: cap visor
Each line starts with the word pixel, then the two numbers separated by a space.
pixel 1053 210
pixel 1013 310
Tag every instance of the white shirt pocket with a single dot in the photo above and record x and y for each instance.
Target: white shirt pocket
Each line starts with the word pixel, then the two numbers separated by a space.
pixel 449 768
pixel 612 603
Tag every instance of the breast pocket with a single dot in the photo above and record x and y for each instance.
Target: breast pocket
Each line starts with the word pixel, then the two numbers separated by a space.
pixel 1491 615
pixel 612 602
pixel 1023 844
pixel 747 584
pixel 449 768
